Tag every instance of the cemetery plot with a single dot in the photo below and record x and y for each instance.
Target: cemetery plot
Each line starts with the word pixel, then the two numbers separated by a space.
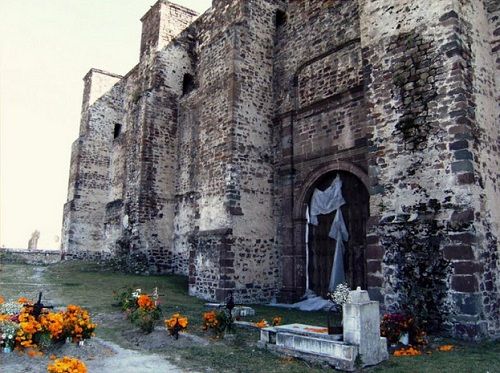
pixel 119 344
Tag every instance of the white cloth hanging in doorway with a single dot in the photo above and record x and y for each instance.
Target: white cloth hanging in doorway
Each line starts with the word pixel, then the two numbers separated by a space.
pixel 325 202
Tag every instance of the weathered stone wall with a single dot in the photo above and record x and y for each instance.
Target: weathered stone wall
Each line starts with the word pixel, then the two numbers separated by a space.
pixel 202 159
pixel 164 21
pixel 486 154
pixel 88 183
pixel 38 257
pixel 225 156
pixel 423 86
pixel 320 116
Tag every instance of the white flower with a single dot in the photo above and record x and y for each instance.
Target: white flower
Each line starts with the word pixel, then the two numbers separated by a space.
pixel 3 336
pixel 10 308
pixel 341 294
pixel 10 336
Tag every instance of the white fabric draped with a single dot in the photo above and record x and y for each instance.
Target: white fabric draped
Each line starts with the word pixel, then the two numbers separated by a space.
pixel 323 203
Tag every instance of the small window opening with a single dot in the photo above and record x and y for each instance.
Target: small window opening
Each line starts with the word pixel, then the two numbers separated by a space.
pixel 117 130
pixel 280 18
pixel 187 84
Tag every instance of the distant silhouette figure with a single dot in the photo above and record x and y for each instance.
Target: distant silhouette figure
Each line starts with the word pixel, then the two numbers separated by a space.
pixel 33 242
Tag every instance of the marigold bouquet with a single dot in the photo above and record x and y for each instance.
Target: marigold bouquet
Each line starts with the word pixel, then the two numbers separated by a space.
pixel 77 323
pixel 67 365
pixel 177 323
pixel 141 309
pixel 262 324
pixel 21 329
pixel 217 322
pixel 145 314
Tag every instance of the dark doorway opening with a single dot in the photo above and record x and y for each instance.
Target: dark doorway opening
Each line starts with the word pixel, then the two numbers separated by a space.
pixel 187 84
pixel 117 130
pixel 322 247
pixel 280 18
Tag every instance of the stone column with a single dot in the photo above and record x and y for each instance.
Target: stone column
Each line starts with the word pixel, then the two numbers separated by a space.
pixel 361 318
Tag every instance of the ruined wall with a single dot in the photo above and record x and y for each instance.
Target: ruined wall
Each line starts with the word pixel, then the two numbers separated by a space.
pixel 477 22
pixel 320 116
pixel 224 208
pixel 423 91
pixel 133 206
pixel 88 183
pixel 164 21
pixel 202 219
pixel 36 257
pixel 201 160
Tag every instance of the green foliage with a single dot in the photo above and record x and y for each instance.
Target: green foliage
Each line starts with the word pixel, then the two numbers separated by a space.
pixel 238 355
pixel 145 319
pixel 124 299
pixel 218 321
pixel 419 272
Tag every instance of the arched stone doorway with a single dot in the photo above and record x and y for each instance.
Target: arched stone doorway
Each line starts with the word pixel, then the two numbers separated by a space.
pixel 321 248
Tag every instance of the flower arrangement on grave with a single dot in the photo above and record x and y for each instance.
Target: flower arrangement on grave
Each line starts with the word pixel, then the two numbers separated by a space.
pixel 141 309
pixel 217 322
pixel 8 334
pixel 67 364
pixel 407 351
pixel 176 324
pixel 146 314
pixel 395 326
pixel 23 327
pixel 446 348
pixel 340 296
pixel 277 320
pixel 77 324
pixel 264 324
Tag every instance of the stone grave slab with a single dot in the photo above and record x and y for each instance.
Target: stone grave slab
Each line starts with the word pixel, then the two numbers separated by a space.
pixel 361 344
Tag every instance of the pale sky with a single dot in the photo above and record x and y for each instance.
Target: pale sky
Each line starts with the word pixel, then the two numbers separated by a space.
pixel 46 47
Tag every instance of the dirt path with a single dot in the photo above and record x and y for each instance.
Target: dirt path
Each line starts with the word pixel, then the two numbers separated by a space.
pixel 100 357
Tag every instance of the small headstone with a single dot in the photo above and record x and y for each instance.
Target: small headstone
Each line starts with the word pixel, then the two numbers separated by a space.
pixel 361 320
pixel 243 311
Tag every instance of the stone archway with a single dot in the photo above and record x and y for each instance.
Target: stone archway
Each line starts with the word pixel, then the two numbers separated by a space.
pixel 321 247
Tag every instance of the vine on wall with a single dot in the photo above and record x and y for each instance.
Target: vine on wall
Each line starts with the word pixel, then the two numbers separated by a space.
pixel 417 271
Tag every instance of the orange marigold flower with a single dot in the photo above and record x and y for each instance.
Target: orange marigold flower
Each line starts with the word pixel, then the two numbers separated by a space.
pixel 2 300
pixel 77 323
pixel 446 348
pixel 410 351
pixel 277 320
pixel 67 365
pixel 177 319
pixel 145 302
pixel 23 300
pixel 183 322
pixel 261 324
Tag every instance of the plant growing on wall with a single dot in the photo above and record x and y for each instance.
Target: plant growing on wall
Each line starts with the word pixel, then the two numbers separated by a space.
pixel 417 271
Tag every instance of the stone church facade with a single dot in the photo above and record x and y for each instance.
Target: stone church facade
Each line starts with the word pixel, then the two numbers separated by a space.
pixel 203 158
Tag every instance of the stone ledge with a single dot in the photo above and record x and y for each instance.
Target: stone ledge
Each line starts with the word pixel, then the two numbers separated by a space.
pixel 336 363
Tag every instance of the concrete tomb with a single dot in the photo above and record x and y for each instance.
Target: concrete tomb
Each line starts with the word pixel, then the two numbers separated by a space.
pixel 361 344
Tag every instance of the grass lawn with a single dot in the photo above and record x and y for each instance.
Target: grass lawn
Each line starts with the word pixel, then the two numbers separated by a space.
pixel 83 284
